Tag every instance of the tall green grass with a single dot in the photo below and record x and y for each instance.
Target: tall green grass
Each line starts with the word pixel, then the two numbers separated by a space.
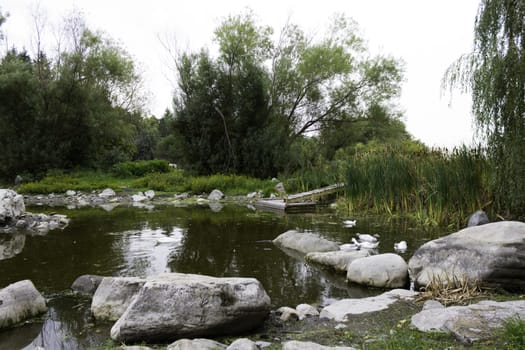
pixel 437 186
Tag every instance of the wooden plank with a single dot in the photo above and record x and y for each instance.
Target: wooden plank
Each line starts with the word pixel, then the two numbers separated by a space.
pixel 314 195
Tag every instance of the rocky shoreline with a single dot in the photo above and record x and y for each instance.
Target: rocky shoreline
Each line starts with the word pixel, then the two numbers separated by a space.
pixel 493 247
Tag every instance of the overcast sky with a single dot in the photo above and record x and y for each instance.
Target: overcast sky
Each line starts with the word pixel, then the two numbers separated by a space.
pixel 427 35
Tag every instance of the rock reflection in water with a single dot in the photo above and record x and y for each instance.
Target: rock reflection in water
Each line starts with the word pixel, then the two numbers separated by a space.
pixel 11 244
pixel 67 326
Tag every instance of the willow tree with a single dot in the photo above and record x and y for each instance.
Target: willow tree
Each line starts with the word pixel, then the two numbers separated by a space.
pixel 494 73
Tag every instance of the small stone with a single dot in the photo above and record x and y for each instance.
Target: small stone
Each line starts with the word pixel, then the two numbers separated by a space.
pixel 287 313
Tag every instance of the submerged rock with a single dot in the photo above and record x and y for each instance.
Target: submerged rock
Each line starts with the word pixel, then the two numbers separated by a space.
pixel 490 254
pixel 87 284
pixel 338 260
pixel 305 242
pixel 18 302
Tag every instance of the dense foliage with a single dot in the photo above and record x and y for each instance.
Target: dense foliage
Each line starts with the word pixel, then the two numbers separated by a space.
pixel 244 110
pixel 494 72
pixel 79 109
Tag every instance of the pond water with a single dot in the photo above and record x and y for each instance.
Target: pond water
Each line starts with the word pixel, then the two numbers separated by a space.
pixel 127 241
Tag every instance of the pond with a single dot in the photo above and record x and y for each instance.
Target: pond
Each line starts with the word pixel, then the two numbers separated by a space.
pixel 128 241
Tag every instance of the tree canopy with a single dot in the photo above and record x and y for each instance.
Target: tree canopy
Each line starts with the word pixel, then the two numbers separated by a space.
pixel 241 110
pixel 494 73
pixel 80 108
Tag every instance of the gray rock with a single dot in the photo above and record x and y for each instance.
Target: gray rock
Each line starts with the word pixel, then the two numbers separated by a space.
pixel 150 194
pixel 196 344
pixel 432 304
pixel 339 310
pixel 469 323
pixel 108 192
pixel 305 242
pixel 12 206
pixel 20 301
pixel 243 344
pixel 70 193
pixel 338 260
pixel 215 195
pixel 176 305
pixel 87 284
pixel 11 244
pixel 134 347
pixel 302 345
pixel 113 296
pixel 478 218
pixel 383 271
pixel 490 254
pixel 287 313
pixel 139 197
pixel 18 180
pixel 305 310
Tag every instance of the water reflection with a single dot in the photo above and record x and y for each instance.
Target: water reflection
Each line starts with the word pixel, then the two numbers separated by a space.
pixel 142 242
pixel 11 244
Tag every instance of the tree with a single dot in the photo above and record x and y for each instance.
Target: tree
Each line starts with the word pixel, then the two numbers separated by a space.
pixel 317 82
pixel 78 110
pixel 241 111
pixel 494 73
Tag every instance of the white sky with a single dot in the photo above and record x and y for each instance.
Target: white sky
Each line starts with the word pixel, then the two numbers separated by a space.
pixel 427 35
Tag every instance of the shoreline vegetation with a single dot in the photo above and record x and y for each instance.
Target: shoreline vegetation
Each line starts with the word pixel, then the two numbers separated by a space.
pixel 435 187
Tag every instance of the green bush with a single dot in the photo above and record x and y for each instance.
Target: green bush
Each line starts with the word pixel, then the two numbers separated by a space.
pixel 140 168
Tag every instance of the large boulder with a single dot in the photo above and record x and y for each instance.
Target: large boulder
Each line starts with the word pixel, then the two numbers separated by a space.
pixel 491 254
pixel 113 296
pixel 383 271
pixel 338 260
pixel 468 323
pixel 175 305
pixel 12 206
pixel 340 310
pixel 305 242
pixel 18 302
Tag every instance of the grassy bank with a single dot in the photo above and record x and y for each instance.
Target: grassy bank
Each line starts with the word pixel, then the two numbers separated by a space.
pixel 140 176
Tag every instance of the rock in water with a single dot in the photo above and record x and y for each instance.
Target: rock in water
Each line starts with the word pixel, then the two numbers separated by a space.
pixel 12 206
pixel 20 301
pixel 383 271
pixel 305 242
pixel 175 305
pixel 491 254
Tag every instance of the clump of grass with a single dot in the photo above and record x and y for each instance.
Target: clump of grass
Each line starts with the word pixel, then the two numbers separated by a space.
pixel 451 290
pixel 513 333
pixel 439 187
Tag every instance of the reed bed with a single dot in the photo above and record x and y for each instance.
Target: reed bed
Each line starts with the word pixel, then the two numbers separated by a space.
pixel 437 186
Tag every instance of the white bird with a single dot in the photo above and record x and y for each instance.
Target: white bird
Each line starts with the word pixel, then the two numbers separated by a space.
pixel 366 238
pixel 365 245
pixel 401 246
pixel 349 247
pixel 350 223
